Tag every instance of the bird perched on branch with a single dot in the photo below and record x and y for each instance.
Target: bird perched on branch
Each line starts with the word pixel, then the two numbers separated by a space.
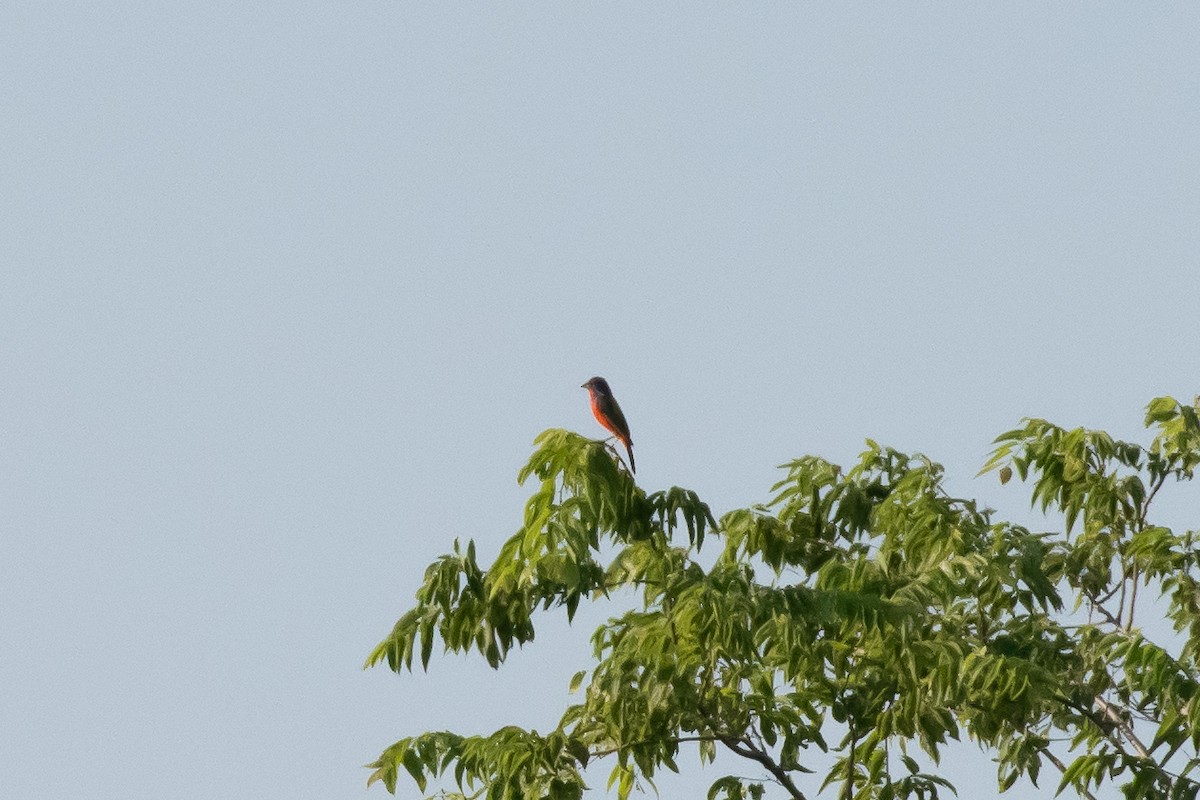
pixel 608 414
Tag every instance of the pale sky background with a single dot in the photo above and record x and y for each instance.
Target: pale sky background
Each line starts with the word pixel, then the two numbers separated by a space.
pixel 288 288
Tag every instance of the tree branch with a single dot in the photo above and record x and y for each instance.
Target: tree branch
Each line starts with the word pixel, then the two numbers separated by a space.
pixel 743 747
pixel 1095 605
pixel 1126 729
pixel 746 749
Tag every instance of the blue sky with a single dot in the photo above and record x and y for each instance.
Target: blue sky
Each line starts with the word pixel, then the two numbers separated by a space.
pixel 289 288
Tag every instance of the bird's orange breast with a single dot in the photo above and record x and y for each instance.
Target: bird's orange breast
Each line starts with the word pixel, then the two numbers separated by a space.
pixel 603 418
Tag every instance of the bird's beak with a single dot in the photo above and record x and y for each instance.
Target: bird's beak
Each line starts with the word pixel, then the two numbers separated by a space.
pixel 583 386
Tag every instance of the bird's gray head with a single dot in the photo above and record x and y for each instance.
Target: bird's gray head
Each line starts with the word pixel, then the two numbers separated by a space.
pixel 597 385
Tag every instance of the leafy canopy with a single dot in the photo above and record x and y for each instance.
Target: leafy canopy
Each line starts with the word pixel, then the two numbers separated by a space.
pixel 860 615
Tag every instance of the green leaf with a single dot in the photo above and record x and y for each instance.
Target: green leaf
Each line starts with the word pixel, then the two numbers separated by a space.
pixel 1161 409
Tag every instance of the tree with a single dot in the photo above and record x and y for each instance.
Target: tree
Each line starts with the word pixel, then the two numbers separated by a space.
pixel 863 613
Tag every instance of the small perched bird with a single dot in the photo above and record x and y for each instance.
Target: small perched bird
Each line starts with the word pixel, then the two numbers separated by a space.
pixel 608 414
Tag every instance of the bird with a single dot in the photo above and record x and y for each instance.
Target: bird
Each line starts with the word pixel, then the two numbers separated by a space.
pixel 608 414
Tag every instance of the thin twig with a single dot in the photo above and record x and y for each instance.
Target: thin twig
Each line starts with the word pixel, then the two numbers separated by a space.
pixel 1145 510
pixel 1133 578
pixel 1053 759
pixel 1121 605
pixel 849 791
pixel 677 740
